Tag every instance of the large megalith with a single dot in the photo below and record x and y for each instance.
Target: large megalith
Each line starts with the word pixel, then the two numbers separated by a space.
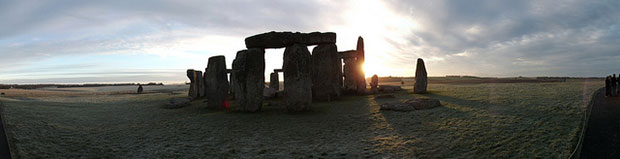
pixel 284 39
pixel 360 49
pixel 326 72
pixel 216 83
pixel 194 86
pixel 249 82
pixel 201 84
pixel 297 78
pixel 421 80
pixel 350 77
pixel 274 81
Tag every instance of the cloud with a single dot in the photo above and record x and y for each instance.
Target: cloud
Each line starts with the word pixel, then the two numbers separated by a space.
pixel 509 38
pixel 481 37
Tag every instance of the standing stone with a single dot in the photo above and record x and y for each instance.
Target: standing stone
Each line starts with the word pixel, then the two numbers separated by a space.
pixel 249 82
pixel 201 84
pixel 274 81
pixel 360 49
pixel 374 82
pixel 217 83
pixel 325 72
pixel 350 80
pixel 231 90
pixel 420 77
pixel 297 78
pixel 193 86
pixel 361 76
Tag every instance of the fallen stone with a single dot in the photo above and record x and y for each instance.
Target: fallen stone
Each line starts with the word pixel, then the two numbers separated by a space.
pixel 284 39
pixel 177 103
pixel 420 78
pixel 249 82
pixel 412 104
pixel 269 93
pixel 297 78
pixel 216 83
pixel 326 73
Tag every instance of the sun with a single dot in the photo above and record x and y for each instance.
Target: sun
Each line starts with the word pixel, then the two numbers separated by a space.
pixel 381 28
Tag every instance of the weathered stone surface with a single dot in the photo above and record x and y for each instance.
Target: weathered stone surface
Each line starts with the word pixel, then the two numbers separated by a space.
pixel 274 81
pixel 412 104
pixel 177 103
pixel 360 49
pixel 374 83
pixel 326 73
pixel 297 78
pixel 347 54
pixel 269 93
pixel 249 82
pixel 201 84
pixel 216 82
pixel 284 39
pixel 350 77
pixel 420 78
pixel 193 86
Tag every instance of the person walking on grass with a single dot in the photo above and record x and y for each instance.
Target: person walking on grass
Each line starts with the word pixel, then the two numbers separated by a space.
pixel 607 86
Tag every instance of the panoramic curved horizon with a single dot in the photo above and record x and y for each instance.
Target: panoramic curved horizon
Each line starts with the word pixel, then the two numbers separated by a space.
pixel 142 41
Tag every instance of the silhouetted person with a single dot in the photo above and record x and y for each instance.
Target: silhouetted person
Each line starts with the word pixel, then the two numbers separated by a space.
pixel 614 85
pixel 608 86
pixel 140 89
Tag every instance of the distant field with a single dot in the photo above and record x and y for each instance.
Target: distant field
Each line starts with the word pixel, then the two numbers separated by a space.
pixel 488 120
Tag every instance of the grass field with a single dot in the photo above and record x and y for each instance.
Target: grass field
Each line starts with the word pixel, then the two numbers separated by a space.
pixel 493 120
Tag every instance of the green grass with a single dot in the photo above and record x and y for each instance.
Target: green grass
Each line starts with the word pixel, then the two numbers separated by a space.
pixel 515 120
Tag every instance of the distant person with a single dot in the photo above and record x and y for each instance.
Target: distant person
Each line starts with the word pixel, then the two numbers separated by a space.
pixel 608 86
pixel 140 89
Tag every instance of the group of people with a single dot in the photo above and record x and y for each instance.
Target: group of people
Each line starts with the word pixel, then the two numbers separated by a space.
pixel 611 85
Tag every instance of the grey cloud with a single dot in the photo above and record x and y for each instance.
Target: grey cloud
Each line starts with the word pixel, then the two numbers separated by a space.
pixel 572 38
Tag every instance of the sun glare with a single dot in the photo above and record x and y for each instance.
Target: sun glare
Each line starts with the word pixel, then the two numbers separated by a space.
pixel 377 24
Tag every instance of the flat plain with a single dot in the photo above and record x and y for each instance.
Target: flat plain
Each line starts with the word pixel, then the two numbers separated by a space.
pixel 476 120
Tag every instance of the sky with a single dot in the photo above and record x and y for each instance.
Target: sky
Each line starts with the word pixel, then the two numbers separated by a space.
pixel 68 41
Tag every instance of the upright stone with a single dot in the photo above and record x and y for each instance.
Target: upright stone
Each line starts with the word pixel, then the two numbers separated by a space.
pixel 217 83
pixel 325 72
pixel 374 82
pixel 201 84
pixel 360 49
pixel 420 77
pixel 361 76
pixel 249 82
pixel 350 77
pixel 274 81
pixel 297 78
pixel 193 86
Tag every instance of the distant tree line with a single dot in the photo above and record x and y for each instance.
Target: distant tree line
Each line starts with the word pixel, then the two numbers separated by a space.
pixel 36 86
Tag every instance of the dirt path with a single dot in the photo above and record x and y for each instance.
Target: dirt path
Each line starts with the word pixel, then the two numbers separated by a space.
pixel 602 138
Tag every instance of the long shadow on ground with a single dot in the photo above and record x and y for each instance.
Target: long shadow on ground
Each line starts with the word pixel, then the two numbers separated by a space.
pixel 602 138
